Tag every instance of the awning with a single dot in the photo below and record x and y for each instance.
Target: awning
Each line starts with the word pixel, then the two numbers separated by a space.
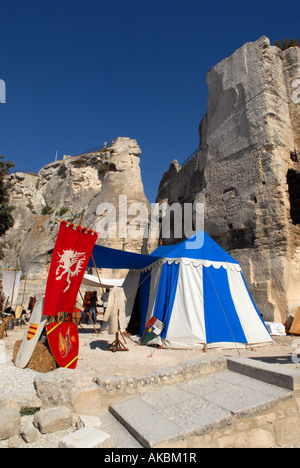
pixel 93 281
pixel 119 259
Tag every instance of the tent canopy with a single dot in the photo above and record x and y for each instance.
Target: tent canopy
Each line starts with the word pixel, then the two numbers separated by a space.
pixel 199 247
pixel 119 259
pixel 93 281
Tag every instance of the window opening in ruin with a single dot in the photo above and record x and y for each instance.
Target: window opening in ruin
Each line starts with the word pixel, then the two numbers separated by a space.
pixel 293 180
pixel 294 156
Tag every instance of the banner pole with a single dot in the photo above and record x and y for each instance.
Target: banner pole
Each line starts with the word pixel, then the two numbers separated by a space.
pixel 81 217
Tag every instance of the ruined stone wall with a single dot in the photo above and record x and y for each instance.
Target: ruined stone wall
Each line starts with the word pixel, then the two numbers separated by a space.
pixel 247 171
pixel 63 189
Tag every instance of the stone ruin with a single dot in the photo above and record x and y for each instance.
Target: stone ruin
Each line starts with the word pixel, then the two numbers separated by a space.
pixel 62 189
pixel 247 171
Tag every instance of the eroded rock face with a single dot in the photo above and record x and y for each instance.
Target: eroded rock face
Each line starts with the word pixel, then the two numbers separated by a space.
pixel 61 190
pixel 247 171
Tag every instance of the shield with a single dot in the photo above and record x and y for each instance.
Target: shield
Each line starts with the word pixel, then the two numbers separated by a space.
pixel 33 332
pixel 64 343
pixel 153 329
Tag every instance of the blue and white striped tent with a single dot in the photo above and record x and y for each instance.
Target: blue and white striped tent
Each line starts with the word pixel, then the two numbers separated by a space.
pixel 198 291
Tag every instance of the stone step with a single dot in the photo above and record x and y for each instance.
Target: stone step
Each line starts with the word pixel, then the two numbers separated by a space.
pixel 274 374
pixel 120 437
pixel 169 416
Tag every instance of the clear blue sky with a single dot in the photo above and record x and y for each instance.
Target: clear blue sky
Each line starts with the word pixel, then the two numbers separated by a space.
pixel 79 72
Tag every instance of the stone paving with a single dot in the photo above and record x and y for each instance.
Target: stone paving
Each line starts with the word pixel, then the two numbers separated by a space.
pixel 173 413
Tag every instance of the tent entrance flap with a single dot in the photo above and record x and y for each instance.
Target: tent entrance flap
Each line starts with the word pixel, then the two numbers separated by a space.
pixel 137 320
pixel 221 319
pixel 166 295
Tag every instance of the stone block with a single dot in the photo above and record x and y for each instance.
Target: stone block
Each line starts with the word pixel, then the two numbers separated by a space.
pixel 86 400
pixel 287 431
pixel 20 400
pixel 255 438
pixel 10 423
pixel 87 437
pixel 29 433
pixel 53 420
pixel 86 420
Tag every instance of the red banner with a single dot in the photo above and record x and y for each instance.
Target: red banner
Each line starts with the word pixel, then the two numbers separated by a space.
pixel 73 248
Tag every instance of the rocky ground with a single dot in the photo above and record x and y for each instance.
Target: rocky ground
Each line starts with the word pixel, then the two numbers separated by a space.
pixel 133 363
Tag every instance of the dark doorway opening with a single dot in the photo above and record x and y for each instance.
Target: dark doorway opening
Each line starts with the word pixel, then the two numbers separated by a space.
pixel 293 180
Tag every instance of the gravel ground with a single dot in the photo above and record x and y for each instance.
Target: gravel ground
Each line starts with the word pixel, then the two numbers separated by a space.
pixel 138 361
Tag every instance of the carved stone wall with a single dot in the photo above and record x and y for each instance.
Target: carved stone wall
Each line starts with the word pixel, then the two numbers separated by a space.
pixel 247 171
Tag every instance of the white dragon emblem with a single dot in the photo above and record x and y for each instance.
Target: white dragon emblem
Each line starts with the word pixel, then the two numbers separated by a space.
pixel 68 260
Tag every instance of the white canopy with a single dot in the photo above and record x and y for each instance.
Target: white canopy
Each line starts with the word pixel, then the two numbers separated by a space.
pixel 93 281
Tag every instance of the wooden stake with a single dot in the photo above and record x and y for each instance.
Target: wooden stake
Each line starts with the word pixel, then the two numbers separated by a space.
pixel 117 345
pixel 92 323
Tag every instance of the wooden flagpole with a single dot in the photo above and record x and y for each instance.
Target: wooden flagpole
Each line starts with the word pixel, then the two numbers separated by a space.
pixel 79 224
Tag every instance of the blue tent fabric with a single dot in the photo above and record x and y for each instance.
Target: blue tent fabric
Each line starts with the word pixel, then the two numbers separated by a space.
pixel 166 295
pixel 105 257
pixel 145 282
pixel 199 247
pixel 221 320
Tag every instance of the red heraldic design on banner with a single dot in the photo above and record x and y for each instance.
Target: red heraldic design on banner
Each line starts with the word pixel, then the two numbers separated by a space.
pixel 64 343
pixel 73 249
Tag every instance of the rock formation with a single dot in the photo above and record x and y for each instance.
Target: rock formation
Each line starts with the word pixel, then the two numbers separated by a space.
pixel 61 190
pixel 247 171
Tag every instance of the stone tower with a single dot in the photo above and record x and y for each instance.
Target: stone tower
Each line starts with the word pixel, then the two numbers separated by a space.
pixel 247 171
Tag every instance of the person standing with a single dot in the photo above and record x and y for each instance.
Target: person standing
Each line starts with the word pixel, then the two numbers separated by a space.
pixel 105 299
pixel 93 307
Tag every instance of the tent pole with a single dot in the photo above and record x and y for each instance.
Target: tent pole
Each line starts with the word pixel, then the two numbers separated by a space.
pixel 97 273
pixel 13 291
pixel 24 288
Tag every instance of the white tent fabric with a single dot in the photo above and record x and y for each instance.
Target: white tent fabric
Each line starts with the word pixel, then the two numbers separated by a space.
pixel 244 306
pixel 276 329
pixel 187 330
pixel 11 284
pixel 93 281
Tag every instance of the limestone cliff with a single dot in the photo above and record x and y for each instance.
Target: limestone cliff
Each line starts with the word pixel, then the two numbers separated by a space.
pixel 247 170
pixel 61 190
